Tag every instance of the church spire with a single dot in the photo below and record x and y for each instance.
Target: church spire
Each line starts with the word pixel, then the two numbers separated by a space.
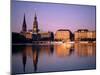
pixel 24 27
pixel 35 16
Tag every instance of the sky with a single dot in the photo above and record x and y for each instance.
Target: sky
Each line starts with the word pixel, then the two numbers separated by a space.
pixel 52 16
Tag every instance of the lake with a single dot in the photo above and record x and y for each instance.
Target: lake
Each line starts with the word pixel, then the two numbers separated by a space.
pixel 53 57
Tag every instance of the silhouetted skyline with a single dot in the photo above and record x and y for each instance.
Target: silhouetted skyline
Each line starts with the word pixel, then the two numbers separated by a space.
pixel 53 16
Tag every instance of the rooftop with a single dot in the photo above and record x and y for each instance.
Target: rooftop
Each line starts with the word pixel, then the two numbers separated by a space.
pixel 82 30
pixel 63 30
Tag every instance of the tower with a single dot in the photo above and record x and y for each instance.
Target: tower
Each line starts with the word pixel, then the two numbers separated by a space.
pixel 35 25
pixel 24 26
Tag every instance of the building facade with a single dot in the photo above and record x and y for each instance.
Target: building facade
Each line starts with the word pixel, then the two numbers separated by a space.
pixel 62 35
pixel 28 35
pixel 84 35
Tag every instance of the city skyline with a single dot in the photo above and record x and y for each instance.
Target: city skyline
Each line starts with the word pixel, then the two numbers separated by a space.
pixel 52 37
pixel 52 17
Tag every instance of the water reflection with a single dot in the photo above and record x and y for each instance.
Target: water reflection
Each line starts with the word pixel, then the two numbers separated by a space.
pixel 65 50
pixel 24 58
pixel 34 51
pixel 85 49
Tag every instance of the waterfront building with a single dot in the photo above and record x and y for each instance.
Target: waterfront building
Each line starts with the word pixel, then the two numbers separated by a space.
pixel 84 35
pixel 91 34
pixel 63 35
pixel 46 36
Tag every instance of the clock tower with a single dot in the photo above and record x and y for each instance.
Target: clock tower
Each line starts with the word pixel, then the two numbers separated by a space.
pixel 35 25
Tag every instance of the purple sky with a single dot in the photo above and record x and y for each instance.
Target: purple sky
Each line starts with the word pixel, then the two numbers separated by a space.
pixel 52 17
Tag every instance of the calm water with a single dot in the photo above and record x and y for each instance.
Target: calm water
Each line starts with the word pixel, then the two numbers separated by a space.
pixel 57 57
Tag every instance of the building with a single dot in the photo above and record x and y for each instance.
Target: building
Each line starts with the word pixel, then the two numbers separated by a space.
pixel 35 34
pixel 28 35
pixel 91 34
pixel 80 34
pixel 84 35
pixel 24 32
pixel 63 35
pixel 46 36
pixel 40 36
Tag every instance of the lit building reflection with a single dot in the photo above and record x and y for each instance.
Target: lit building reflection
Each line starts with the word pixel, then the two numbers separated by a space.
pixel 32 52
pixel 51 49
pixel 35 51
pixel 46 49
pixel 38 51
pixel 29 51
pixel 24 59
pixel 85 49
pixel 63 49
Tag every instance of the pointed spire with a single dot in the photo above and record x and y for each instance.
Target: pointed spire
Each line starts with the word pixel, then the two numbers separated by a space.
pixel 24 27
pixel 35 17
pixel 24 19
